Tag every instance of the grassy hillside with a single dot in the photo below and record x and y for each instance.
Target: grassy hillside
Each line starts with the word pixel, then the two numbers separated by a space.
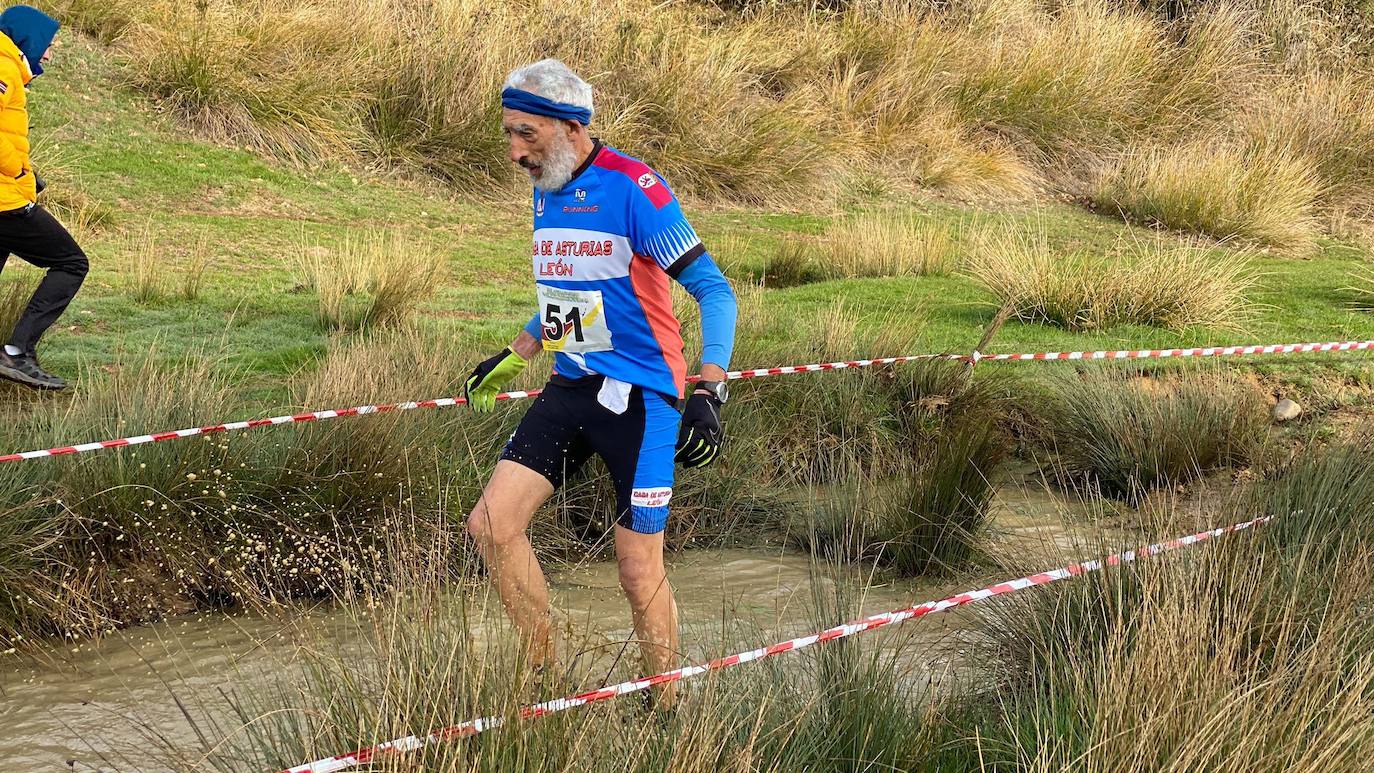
pixel 262 243
pixel 228 284
pixel 176 199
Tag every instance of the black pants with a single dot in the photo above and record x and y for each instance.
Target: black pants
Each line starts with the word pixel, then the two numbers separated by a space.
pixel 37 237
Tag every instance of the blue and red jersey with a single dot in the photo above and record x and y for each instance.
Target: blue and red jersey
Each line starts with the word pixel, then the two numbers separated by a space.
pixel 605 246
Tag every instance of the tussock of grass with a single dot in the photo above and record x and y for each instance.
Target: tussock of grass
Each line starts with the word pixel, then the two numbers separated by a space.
pixel 1264 195
pixel 14 297
pixel 104 20
pixel 952 156
pixel 930 516
pixel 1321 490
pixel 1263 639
pixel 1251 663
pixel 766 331
pixel 706 110
pixel 888 245
pixel 157 273
pixel 223 519
pixel 840 427
pixel 1329 123
pixel 821 430
pixel 872 245
pixel 1064 80
pixel 1127 436
pixel 1156 283
pixel 148 282
pixel 193 275
pixel 373 279
pixel 794 263
pixel 289 80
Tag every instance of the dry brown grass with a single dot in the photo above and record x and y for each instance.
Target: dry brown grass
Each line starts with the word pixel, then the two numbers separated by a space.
pixel 1327 121
pixel 885 244
pixel 1064 82
pixel 997 98
pixel 287 78
pixel 376 278
pixel 1263 195
pixel 14 296
pixel 1155 283
pixel 875 244
pixel 1208 663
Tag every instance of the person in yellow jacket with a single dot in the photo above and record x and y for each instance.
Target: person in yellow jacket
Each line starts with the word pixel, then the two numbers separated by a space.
pixel 27 37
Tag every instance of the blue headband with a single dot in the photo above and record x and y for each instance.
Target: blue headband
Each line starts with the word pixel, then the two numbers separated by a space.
pixel 525 102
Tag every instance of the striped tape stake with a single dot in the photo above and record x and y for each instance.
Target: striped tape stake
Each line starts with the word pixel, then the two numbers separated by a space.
pixel 444 402
pixel 412 743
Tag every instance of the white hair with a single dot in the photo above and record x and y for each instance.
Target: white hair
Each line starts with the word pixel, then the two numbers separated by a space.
pixel 551 79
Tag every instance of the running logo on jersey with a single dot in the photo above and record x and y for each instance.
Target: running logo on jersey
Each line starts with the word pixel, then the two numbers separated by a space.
pixel 647 180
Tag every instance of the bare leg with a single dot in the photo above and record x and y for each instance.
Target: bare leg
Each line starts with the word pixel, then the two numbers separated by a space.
pixel 654 612
pixel 497 524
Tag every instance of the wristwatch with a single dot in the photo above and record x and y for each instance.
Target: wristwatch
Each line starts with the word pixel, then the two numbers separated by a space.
pixel 718 390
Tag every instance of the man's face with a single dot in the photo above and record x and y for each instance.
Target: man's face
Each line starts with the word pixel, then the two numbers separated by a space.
pixel 540 145
pixel 47 55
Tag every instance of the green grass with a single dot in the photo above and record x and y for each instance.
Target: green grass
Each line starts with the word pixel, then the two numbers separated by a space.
pixel 252 214
pixel 930 514
pixel 1123 437
pixel 254 334
pixel 250 343
pixel 1211 659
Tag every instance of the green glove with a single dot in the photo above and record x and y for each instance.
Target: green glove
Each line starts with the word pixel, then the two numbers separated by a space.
pixel 488 379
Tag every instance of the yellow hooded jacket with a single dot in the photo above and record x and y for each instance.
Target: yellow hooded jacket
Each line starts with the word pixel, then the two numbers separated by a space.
pixel 16 171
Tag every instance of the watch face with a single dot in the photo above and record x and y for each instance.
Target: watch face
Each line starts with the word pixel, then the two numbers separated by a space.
pixel 721 391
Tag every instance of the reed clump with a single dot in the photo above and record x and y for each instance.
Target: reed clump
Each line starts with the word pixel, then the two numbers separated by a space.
pixel 1155 283
pixel 1125 436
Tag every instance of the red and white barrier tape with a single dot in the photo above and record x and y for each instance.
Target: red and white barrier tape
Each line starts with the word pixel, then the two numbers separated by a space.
pixel 1208 351
pixel 443 402
pixel 472 727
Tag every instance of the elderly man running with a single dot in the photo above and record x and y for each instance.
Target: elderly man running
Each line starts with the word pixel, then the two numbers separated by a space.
pixel 608 235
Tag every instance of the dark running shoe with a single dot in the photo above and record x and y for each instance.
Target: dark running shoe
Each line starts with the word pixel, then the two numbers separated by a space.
pixel 24 369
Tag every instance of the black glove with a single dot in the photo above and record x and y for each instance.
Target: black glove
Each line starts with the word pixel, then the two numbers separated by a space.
pixel 700 437
pixel 39 183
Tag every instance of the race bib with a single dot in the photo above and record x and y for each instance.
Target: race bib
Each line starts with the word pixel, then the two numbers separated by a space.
pixel 574 321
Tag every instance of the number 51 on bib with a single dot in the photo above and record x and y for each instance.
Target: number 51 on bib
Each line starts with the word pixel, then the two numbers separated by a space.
pixel 574 321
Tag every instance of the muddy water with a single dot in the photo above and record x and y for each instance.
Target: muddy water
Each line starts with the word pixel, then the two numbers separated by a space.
pixel 90 707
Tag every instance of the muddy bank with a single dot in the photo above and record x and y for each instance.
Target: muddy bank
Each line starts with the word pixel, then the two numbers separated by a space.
pixel 93 706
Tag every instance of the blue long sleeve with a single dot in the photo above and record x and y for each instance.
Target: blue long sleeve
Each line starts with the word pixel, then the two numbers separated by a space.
pixel 703 279
pixel 533 327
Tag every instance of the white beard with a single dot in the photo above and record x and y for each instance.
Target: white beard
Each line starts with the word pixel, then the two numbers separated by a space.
pixel 558 166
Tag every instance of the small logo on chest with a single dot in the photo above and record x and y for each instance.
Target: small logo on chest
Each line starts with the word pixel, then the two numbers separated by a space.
pixel 581 207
